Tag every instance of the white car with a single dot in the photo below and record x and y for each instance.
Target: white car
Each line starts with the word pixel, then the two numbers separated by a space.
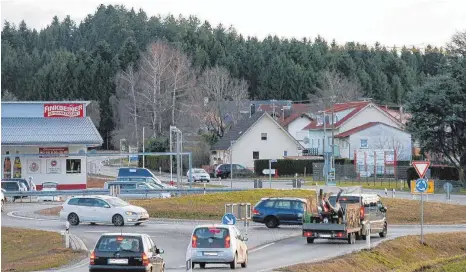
pixel 218 244
pixel 102 209
pixel 49 186
pixel 3 200
pixel 199 174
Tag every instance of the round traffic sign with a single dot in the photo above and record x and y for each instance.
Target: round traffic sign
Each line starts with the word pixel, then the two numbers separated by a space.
pixel 448 187
pixel 421 185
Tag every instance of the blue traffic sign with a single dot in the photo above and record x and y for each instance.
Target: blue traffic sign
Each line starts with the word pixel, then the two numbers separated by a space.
pixel 421 185
pixel 229 219
pixel 448 187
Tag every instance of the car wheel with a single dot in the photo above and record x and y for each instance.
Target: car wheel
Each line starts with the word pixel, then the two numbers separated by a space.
pixel 233 263
pixel 245 264
pixel 384 232
pixel 73 219
pixel 137 224
pixel 351 238
pixel 271 222
pixel 310 240
pixel 118 220
pixel 202 265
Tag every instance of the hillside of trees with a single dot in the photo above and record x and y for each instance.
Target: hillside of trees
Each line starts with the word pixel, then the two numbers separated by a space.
pixel 93 60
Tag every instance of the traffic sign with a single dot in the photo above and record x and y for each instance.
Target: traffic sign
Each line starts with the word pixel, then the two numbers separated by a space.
pixel 448 187
pixel 228 219
pixel 421 185
pixel 430 187
pixel 268 171
pixel 421 167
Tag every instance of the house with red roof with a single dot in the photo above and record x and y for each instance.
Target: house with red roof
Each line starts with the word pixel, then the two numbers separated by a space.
pixel 356 125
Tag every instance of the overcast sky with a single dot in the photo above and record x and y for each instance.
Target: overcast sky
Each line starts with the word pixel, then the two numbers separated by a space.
pixel 391 22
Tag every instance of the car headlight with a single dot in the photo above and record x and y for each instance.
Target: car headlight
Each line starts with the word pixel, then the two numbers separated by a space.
pixel 131 213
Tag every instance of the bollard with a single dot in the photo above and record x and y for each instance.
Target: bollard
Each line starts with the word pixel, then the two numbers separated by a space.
pixel 67 234
pixel 204 188
pixel 368 235
pixel 393 193
pixel 386 193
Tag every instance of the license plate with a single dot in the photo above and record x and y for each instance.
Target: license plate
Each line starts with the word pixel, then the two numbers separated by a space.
pixel 325 235
pixel 117 261
pixel 210 253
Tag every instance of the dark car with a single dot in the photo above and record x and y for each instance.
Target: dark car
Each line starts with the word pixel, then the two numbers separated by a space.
pixel 23 181
pixel 14 186
pixel 126 252
pixel 224 171
pixel 280 211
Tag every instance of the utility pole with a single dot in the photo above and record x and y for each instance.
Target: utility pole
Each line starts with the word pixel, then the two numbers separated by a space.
pixel 171 150
pixel 333 128
pixel 143 148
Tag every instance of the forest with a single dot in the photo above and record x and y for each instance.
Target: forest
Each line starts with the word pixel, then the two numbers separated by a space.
pixel 154 71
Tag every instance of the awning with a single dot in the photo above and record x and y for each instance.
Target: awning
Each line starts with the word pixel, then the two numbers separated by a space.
pixel 49 131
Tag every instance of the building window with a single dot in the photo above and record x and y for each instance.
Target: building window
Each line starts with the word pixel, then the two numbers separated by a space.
pixel 255 155
pixel 73 166
pixel 285 153
pixel 364 143
pixel 264 136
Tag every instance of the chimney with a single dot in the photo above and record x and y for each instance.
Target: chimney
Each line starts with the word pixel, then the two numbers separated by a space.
pixel 286 112
pixel 252 110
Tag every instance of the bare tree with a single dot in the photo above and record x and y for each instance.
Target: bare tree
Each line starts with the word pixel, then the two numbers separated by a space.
pixel 391 143
pixel 337 85
pixel 214 95
pixel 8 96
pixel 155 65
pixel 93 111
pixel 129 99
pixel 457 45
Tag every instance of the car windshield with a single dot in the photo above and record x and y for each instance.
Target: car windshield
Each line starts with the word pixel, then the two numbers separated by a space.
pixel 344 200
pixel 198 171
pixel 116 202
pixel 211 237
pixel 119 243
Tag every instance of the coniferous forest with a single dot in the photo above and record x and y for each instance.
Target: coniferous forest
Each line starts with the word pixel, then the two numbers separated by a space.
pixel 67 60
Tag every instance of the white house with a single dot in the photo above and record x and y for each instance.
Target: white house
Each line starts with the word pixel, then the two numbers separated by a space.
pixel 375 136
pixel 348 116
pixel 256 137
pixel 294 123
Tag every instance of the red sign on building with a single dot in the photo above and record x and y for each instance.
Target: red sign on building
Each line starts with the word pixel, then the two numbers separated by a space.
pixel 64 110
pixel 50 151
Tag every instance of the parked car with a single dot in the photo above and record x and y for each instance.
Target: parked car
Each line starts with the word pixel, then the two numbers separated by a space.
pixel 137 185
pixel 151 179
pixel 30 186
pixel 199 174
pixel 49 186
pixel 280 211
pixel 219 244
pixel 14 186
pixel 102 209
pixel 126 252
pixel 224 171
pixel 3 199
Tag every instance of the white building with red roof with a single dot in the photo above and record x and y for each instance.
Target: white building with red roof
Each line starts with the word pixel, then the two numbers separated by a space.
pixel 357 125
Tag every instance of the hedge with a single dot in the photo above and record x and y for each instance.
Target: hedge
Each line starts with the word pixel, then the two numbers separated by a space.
pixel 436 172
pixel 287 167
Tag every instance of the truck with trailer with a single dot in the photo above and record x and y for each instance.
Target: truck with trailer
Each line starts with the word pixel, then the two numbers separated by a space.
pixel 350 215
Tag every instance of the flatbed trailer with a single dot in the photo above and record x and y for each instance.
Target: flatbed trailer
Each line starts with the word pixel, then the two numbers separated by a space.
pixel 349 229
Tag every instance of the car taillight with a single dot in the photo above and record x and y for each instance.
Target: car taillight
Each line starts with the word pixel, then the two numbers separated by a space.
pixel 194 242
pixel 307 234
pixel 340 234
pixel 256 212
pixel 92 258
pixel 362 212
pixel 145 260
pixel 227 241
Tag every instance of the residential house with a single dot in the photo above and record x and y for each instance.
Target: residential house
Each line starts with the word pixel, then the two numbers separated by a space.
pixel 352 121
pixel 258 136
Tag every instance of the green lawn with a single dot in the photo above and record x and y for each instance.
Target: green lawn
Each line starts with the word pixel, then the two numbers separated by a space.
pixel 378 185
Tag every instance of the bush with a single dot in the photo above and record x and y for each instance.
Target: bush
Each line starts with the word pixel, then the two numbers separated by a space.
pixel 287 167
pixel 437 172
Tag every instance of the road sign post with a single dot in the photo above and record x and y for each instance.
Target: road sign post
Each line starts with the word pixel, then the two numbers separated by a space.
pixel 421 186
pixel 270 172
pixel 448 187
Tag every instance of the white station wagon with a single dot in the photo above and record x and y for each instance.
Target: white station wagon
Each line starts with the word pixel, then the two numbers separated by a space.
pixel 102 209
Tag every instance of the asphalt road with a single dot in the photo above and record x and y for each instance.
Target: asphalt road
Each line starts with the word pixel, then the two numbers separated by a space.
pixel 174 236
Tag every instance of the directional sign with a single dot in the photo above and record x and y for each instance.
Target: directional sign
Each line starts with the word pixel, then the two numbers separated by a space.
pixel 430 187
pixel 268 171
pixel 273 160
pixel 421 167
pixel 421 185
pixel 228 219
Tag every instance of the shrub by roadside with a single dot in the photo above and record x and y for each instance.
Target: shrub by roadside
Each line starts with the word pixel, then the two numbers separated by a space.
pixel 401 254
pixel 32 250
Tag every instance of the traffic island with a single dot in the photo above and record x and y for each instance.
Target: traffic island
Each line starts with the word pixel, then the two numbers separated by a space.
pixel 34 250
pixel 441 251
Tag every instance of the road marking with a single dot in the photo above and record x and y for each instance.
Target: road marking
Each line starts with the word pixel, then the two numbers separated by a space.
pixel 12 214
pixel 261 247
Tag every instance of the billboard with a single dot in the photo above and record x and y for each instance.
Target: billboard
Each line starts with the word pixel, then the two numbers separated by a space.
pixel 369 162
pixel 64 110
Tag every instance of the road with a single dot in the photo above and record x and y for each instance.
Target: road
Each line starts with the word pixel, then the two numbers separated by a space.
pixel 174 236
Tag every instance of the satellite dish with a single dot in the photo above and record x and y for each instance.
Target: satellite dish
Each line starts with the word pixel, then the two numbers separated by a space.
pixel 306 140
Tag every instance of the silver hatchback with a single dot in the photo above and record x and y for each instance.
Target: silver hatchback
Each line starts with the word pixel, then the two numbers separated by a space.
pixel 218 244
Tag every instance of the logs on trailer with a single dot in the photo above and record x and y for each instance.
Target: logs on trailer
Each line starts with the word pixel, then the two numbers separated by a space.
pixel 352 215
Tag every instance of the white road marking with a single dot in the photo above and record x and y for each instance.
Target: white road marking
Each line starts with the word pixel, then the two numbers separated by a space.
pixel 261 247
pixel 12 214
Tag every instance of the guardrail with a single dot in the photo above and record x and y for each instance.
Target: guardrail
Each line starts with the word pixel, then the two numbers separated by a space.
pixel 122 191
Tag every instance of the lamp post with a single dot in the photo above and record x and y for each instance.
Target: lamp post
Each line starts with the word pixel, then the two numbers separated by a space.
pixel 231 163
pixel 122 148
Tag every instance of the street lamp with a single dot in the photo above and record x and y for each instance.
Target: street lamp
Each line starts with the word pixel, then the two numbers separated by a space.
pixel 231 163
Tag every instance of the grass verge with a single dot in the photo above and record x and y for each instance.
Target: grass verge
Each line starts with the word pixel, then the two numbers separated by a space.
pixel 212 206
pixel 378 185
pixel 401 254
pixel 32 250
